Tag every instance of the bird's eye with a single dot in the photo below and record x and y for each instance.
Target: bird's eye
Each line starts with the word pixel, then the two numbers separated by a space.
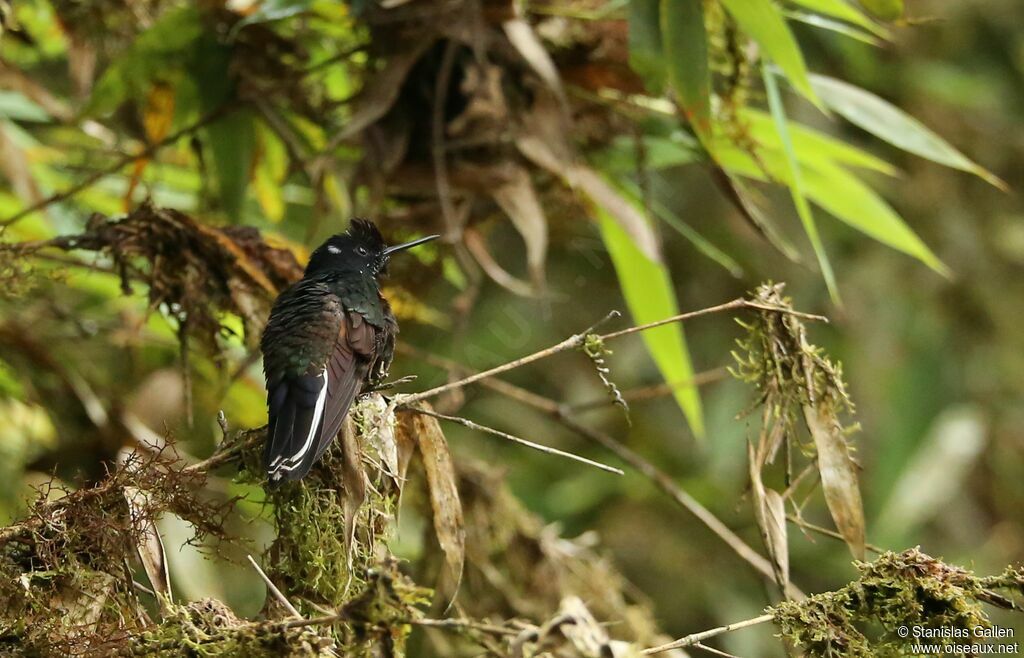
pixel 361 251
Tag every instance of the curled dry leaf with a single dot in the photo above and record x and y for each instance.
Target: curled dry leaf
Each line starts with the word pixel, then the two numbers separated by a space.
pixel 444 497
pixel 542 141
pixel 518 199
pixel 149 546
pixel 478 248
pixel 381 91
pixel 525 40
pixel 838 477
pixel 770 512
pixel 572 631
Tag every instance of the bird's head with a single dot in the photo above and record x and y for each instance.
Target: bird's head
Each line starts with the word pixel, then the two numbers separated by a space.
pixel 359 249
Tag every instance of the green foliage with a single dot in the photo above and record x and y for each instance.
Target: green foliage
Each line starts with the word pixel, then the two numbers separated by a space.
pixel 888 122
pixel 650 296
pixel 686 54
pixel 764 22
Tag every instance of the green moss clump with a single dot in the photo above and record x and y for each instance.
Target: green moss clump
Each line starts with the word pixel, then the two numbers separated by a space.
pixel 208 629
pixel 909 590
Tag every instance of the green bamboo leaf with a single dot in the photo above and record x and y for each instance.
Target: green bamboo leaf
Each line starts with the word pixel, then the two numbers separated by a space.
pixel 230 140
pixel 796 186
pixel 14 105
pixel 888 122
pixel 701 243
pixel 839 27
pixel 810 145
pixel 763 21
pixel 841 194
pixel 686 51
pixel 650 296
pixel 646 55
pixel 844 11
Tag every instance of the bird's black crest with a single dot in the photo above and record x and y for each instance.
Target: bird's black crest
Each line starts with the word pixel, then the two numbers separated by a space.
pixel 365 232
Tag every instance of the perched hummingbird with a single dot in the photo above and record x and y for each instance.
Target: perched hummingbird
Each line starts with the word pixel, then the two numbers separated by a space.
pixel 328 334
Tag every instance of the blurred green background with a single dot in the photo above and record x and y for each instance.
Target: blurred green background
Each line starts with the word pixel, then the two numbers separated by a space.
pixel 935 365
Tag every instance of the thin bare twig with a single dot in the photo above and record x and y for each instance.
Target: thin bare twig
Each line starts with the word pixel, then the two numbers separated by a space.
pixel 274 590
pixel 651 392
pixel 569 343
pixel 712 650
pixel 825 532
pixel 515 439
pixel 577 340
pixel 248 439
pixel 696 638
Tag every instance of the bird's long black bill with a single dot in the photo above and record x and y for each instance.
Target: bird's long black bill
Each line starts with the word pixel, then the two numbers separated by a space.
pixel 409 245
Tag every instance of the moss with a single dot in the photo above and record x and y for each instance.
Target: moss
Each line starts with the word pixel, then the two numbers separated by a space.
pixel 908 589
pixel 208 628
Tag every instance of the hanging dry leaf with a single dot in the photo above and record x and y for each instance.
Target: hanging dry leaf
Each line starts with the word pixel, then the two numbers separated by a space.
pixel 444 498
pixel 838 477
pixel 599 192
pixel 150 547
pixel 354 492
pixel 381 92
pixel 770 512
pixel 518 199
pixel 478 248
pixel 525 40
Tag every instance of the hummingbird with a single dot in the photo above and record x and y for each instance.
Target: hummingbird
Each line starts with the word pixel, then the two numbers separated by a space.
pixel 328 335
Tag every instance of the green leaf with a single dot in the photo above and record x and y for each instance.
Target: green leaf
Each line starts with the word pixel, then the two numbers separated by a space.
pixel 621 156
pixel 646 55
pixel 796 186
pixel 155 54
pixel 888 122
pixel 269 11
pixel 844 11
pixel 686 50
pixel 231 139
pixel 702 244
pixel 839 27
pixel 650 296
pixel 838 192
pixel 16 106
pixel 810 145
pixel 763 21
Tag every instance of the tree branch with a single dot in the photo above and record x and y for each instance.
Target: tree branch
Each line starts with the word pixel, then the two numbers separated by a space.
pixel 696 638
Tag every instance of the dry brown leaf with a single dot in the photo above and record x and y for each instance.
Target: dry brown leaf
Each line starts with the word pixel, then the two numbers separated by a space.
pixel 543 142
pixel 381 92
pixel 770 512
pixel 586 180
pixel 444 499
pixel 518 199
pixel 354 478
pixel 150 546
pixel 521 35
pixel 838 477
pixel 478 248
pixel 17 169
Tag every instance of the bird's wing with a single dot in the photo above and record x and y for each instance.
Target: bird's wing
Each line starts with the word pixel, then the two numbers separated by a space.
pixel 316 356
